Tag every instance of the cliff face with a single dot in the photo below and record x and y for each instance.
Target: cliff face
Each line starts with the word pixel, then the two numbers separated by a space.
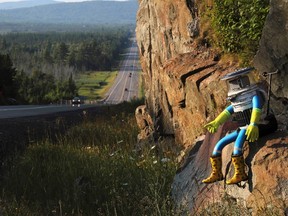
pixel 273 54
pixel 183 92
pixel 181 80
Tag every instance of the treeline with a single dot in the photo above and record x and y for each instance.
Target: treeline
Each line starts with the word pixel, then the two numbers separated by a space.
pixel 37 88
pixel 80 51
pixel 41 66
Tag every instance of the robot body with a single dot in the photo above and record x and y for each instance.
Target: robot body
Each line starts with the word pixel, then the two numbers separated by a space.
pixel 246 104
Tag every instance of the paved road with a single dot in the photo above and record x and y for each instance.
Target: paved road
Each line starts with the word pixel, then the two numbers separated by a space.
pixel 34 110
pixel 125 88
pixel 126 85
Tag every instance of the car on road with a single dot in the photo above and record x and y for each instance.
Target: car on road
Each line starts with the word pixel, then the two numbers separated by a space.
pixel 11 101
pixel 76 100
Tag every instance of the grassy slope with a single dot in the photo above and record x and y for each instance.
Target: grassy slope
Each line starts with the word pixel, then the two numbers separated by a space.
pixel 94 85
pixel 91 169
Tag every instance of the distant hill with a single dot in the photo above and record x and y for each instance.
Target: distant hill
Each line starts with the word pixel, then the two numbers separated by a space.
pixel 25 4
pixel 90 12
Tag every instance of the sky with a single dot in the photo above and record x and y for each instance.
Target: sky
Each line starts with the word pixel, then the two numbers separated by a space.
pixel 2 1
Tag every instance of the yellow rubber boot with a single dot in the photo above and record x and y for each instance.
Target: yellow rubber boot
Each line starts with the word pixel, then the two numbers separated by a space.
pixel 239 170
pixel 216 174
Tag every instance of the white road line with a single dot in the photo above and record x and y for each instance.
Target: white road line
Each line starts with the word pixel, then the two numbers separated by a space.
pixel 121 71
pixel 26 108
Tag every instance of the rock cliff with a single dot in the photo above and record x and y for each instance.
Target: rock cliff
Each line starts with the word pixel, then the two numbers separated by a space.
pixel 183 92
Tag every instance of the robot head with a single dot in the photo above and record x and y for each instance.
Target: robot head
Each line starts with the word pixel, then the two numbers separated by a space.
pixel 240 81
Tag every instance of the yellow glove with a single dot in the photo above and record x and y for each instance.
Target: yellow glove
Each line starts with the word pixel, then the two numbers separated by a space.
pixel 252 131
pixel 212 126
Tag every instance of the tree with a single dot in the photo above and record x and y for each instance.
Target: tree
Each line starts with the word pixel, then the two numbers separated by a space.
pixel 47 53
pixel 3 44
pixel 61 52
pixel 7 74
pixel 67 89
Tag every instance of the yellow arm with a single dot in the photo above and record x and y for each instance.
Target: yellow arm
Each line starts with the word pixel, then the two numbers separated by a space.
pixel 212 126
pixel 252 131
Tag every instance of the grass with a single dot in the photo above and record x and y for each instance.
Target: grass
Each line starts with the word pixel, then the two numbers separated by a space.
pixel 94 169
pixel 94 85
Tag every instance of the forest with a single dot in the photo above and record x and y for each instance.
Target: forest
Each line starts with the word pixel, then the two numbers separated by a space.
pixel 39 68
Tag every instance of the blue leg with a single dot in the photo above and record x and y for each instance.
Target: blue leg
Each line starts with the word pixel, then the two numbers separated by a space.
pixel 239 142
pixel 223 142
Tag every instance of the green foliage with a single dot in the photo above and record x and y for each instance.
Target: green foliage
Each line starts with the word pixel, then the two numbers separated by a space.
pixel 239 24
pixel 94 84
pixel 93 170
pixel 7 73
pixel 42 88
pixel 47 63
pixel 72 51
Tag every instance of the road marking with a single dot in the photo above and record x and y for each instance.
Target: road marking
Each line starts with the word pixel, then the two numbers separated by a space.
pixel 120 80
pixel 26 108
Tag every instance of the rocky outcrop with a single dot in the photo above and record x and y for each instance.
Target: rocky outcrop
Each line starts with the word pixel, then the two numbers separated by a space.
pixel 265 191
pixel 144 122
pixel 273 52
pixel 161 35
pixel 273 56
pixel 183 91
pixel 181 81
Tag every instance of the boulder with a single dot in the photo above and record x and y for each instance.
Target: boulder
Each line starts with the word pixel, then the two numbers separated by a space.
pixel 265 190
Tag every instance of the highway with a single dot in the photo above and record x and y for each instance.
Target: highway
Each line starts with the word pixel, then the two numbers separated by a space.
pixel 34 110
pixel 126 85
pixel 124 88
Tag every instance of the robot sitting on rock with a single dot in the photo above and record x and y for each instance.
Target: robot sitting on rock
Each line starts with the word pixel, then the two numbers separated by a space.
pixel 247 100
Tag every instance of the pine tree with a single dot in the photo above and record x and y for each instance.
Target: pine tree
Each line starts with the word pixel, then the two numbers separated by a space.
pixel 7 74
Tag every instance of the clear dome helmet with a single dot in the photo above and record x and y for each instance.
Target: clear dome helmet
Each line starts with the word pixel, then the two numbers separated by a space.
pixel 240 81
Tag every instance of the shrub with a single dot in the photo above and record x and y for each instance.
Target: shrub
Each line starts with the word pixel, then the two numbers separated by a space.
pixel 238 24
